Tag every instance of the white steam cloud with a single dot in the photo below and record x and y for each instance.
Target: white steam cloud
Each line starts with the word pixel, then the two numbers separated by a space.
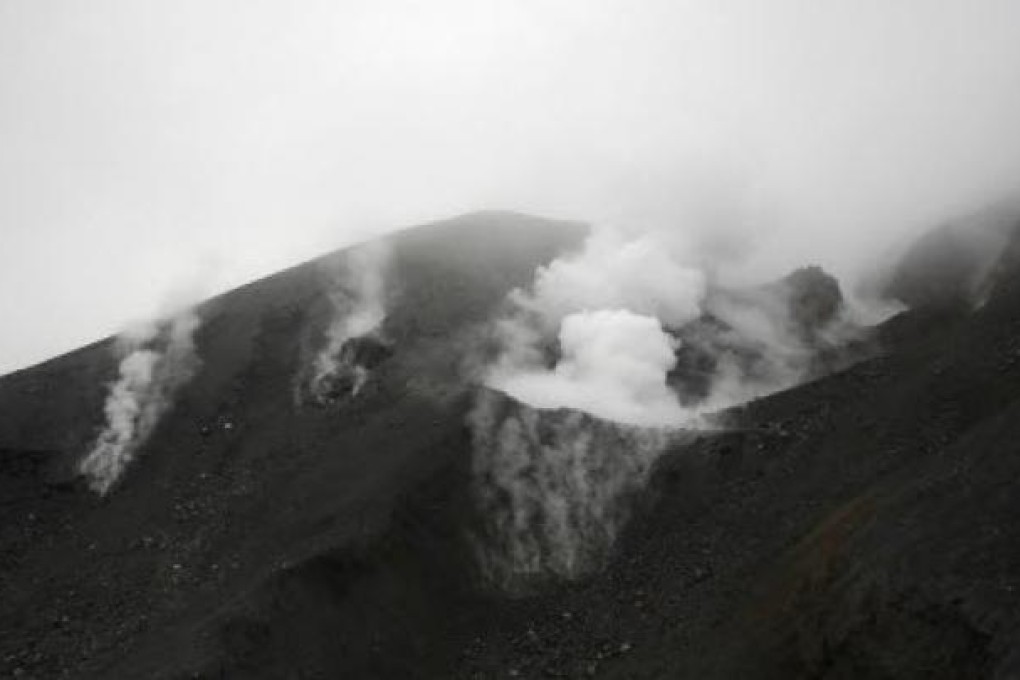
pixel 358 298
pixel 601 331
pixel 159 359
pixel 613 365
pixel 614 351
pixel 607 304
pixel 643 275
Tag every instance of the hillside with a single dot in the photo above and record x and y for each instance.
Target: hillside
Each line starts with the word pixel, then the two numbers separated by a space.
pixel 210 514
pixel 859 525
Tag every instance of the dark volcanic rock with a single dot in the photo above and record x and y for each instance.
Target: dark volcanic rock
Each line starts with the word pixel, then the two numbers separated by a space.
pixel 367 351
pixel 358 359
pixel 813 298
pixel 238 481
pixel 860 525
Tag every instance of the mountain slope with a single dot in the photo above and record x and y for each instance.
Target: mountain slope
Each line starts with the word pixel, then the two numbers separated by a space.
pixel 860 525
pixel 857 526
pixel 237 480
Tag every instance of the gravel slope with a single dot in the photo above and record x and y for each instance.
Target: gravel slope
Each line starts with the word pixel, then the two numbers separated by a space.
pixel 861 525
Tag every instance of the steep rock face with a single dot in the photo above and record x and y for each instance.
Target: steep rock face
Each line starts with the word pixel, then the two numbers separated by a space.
pixel 553 489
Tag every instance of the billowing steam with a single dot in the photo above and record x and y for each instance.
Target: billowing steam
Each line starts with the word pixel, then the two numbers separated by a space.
pixel 645 275
pixel 353 344
pixel 553 483
pixel 632 331
pixel 613 365
pixel 605 308
pixel 614 351
pixel 159 359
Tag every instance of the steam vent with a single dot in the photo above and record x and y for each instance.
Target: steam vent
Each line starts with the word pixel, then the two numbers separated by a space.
pixel 454 452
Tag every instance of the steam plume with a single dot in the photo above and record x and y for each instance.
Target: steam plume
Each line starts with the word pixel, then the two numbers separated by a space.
pixel 613 365
pixel 645 275
pixel 760 340
pixel 607 306
pixel 601 331
pixel 552 482
pixel 159 359
pixel 358 298
pixel 614 351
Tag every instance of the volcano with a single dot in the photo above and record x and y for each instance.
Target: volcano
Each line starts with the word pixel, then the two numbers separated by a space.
pixel 860 523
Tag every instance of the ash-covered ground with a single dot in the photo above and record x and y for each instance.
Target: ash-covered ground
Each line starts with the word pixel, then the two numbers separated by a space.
pixel 858 523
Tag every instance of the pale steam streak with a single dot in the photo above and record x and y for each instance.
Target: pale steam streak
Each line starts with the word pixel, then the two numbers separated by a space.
pixel 160 359
pixel 553 488
pixel 358 299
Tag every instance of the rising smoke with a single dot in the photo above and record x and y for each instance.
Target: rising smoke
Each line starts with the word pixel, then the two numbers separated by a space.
pixel 357 294
pixel 648 274
pixel 612 353
pixel 601 331
pixel 158 359
pixel 607 305
pixel 613 365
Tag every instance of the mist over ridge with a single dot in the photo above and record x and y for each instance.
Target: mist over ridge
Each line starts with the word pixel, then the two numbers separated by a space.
pixel 782 135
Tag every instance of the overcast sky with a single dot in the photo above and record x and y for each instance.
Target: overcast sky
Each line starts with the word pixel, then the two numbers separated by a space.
pixel 151 146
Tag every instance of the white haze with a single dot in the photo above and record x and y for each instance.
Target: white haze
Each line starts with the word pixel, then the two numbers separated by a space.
pixel 260 133
pixel 158 359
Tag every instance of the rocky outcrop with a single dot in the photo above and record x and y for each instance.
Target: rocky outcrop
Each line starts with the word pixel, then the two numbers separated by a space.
pixel 754 341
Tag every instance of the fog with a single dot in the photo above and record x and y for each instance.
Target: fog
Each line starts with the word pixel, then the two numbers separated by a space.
pixel 144 144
